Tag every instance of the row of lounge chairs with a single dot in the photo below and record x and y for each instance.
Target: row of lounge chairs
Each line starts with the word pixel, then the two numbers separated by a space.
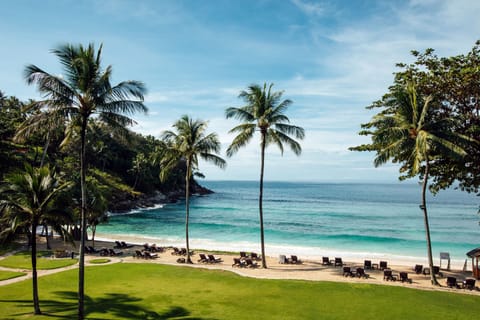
pixel 293 259
pixel 358 272
pixel 144 254
pixel 254 256
pixel 466 284
pixel 110 252
pixel 152 248
pixel 244 263
pixel 122 245
pixel 208 258
pixel 180 252
pixel 338 262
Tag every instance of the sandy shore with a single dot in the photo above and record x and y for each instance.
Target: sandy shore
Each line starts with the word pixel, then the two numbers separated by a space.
pixel 311 270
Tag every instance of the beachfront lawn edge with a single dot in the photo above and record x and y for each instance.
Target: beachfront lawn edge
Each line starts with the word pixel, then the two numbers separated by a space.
pixel 131 290
pixel 7 275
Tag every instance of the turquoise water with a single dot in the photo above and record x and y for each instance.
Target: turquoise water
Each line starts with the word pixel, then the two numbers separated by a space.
pixel 312 220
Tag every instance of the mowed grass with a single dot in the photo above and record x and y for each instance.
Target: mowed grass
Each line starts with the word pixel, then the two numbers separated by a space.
pixel 22 260
pixel 153 291
pixel 5 275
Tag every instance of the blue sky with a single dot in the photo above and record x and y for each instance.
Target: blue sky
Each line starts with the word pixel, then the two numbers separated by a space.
pixel 332 58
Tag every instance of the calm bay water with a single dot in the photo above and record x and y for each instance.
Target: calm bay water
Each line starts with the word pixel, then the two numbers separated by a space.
pixel 312 219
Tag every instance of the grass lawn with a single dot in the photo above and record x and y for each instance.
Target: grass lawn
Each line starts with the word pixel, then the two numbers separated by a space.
pixel 22 260
pixel 99 261
pixel 153 291
pixel 5 275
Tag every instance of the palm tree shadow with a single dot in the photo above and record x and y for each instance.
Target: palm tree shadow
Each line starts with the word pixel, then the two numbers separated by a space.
pixel 121 306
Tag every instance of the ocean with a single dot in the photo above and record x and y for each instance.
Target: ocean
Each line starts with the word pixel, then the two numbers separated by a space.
pixel 350 220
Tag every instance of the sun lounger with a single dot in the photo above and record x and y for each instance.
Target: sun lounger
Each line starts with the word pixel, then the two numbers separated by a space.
pixel 243 255
pixel 382 265
pixel 149 255
pixel 338 262
pixel 404 277
pixel 249 263
pixel 125 245
pixel 452 282
pixel 114 253
pixel 418 268
pixel 294 259
pixel 367 264
pixel 118 245
pixel 176 251
pixel 254 256
pixel 282 259
pixel 347 272
pixel 237 262
pixel 139 254
pixel 360 272
pixel 104 252
pixel 212 259
pixel 388 275
pixel 469 284
pixel 326 261
pixel 203 258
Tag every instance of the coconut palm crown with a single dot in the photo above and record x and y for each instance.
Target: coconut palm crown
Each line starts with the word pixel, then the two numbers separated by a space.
pixel 264 112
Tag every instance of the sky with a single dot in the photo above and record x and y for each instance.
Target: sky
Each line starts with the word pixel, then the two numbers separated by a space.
pixel 331 58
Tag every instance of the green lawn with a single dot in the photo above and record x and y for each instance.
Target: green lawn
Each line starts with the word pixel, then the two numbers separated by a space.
pixel 5 275
pixel 22 260
pixel 153 291
pixel 99 261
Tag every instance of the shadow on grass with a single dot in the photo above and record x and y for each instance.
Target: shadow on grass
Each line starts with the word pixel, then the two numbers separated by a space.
pixel 116 305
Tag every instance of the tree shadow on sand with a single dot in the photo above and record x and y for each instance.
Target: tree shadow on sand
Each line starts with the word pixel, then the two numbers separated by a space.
pixel 120 306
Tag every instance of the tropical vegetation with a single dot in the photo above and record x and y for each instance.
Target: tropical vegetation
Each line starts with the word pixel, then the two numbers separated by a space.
pixel 189 143
pixel 264 111
pixel 407 132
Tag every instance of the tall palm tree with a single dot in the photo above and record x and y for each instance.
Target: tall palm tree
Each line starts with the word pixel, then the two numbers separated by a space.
pixel 406 132
pixel 264 112
pixel 82 91
pixel 27 198
pixel 188 144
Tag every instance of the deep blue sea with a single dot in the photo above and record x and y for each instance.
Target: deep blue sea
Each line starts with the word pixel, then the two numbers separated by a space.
pixel 355 221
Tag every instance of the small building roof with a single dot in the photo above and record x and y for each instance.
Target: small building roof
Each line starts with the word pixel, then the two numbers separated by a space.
pixel 474 253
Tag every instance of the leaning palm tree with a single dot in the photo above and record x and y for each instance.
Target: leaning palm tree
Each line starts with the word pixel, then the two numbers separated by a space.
pixel 82 91
pixel 27 198
pixel 187 145
pixel 407 132
pixel 264 111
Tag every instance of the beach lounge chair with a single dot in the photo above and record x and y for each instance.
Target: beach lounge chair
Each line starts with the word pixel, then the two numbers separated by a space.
pixel 104 252
pixel 367 264
pixel 118 245
pixel 388 275
pixel 360 272
pixel 249 263
pixel 418 268
pixel 114 253
pixel 254 256
pixel 452 282
pixel 469 284
pixel 139 254
pixel 436 271
pixel 404 277
pixel 203 258
pixel 326 261
pixel 125 245
pixel 212 259
pixel 87 250
pixel 149 255
pixel 382 265
pixel 294 259
pixel 176 251
pixel 282 259
pixel 237 262
pixel 347 272
pixel 338 262
pixel 243 255
pixel 92 249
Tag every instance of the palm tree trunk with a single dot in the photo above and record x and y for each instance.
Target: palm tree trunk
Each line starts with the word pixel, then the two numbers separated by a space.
pixel 36 302
pixel 81 264
pixel 46 236
pixel 260 201
pixel 187 207
pixel 427 227
pixel 47 142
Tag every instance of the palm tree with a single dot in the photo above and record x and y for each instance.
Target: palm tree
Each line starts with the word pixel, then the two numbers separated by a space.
pixel 187 145
pixel 406 132
pixel 264 111
pixel 85 90
pixel 29 197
